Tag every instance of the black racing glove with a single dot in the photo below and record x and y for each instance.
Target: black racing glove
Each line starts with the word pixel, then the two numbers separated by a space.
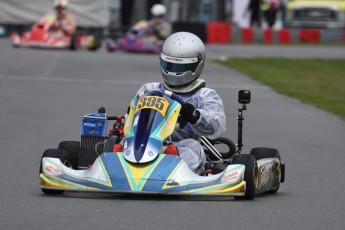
pixel 189 113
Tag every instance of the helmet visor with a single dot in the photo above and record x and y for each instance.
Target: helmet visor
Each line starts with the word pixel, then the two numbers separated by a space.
pixel 179 65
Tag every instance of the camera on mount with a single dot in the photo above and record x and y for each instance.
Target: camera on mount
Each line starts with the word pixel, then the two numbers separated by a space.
pixel 244 97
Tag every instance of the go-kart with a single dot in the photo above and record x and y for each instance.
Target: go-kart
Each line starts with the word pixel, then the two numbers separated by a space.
pixel 40 36
pixel 134 41
pixel 137 157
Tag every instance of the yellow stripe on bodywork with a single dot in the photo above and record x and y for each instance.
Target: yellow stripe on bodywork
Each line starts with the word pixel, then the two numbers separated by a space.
pixel 136 172
pixel 221 188
pixel 56 182
pixel 129 119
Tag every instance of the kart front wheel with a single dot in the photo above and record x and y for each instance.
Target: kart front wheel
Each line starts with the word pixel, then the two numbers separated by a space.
pixel 54 153
pixel 72 151
pixel 250 174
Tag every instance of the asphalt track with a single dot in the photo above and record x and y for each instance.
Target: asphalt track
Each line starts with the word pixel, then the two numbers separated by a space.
pixel 44 93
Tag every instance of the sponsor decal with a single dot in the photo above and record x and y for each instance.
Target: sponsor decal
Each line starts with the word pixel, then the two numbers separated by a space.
pixel 265 175
pixel 228 177
pixel 170 126
pixel 135 120
pixel 125 144
pixel 128 152
pixel 179 59
pixel 89 124
pixel 93 132
pixel 173 59
pixel 53 171
pixel 173 183
pixel 150 153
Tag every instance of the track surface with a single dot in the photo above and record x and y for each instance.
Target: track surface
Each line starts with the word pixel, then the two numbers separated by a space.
pixel 44 93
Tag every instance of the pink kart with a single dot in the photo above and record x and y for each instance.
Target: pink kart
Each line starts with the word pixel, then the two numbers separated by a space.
pixel 134 40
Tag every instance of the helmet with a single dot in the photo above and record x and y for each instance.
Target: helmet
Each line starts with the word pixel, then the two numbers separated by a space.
pixel 182 59
pixel 61 3
pixel 158 10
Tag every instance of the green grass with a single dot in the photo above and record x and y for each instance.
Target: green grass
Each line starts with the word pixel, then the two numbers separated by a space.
pixel 317 82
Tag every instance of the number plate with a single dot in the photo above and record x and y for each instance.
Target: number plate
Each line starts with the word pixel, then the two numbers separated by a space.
pixel 153 102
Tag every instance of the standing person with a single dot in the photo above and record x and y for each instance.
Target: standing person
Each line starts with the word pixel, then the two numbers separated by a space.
pixel 255 12
pixel 64 24
pixel 283 5
pixel 182 60
pixel 270 9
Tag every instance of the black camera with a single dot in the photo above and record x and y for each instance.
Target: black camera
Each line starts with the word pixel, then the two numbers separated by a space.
pixel 244 97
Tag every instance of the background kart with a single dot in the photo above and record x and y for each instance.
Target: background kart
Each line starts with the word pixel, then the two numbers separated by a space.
pixel 40 37
pixel 139 165
pixel 134 40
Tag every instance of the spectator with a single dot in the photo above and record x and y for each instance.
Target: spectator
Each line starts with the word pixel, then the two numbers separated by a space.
pixel 255 13
pixel 270 9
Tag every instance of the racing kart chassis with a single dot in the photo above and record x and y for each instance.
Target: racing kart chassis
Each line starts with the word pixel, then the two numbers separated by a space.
pixel 42 36
pixel 109 162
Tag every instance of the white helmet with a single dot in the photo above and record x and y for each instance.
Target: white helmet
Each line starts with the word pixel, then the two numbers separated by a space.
pixel 182 59
pixel 158 10
pixel 61 3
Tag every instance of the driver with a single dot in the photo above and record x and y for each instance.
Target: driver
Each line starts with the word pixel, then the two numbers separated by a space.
pixel 182 60
pixel 64 24
pixel 161 29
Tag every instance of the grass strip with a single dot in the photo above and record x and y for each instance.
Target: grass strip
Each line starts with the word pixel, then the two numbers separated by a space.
pixel 318 82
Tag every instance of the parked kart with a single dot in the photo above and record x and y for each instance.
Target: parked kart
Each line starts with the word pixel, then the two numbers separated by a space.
pixel 134 40
pixel 137 156
pixel 40 37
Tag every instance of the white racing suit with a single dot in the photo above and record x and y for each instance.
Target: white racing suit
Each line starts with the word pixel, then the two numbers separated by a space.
pixel 211 124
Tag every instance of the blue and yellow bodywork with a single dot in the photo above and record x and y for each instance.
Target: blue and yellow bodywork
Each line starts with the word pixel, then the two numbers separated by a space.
pixel 167 174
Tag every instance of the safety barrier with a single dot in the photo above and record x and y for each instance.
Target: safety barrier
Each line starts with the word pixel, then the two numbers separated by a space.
pixel 309 35
pixel 224 33
pixel 218 33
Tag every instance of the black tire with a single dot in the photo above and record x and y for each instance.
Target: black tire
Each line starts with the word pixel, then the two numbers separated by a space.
pixel 72 150
pixel 250 174
pixel 261 153
pixel 112 140
pixel 54 153
pixel 73 43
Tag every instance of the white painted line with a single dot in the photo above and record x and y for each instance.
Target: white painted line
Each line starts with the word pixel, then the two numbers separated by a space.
pixel 119 82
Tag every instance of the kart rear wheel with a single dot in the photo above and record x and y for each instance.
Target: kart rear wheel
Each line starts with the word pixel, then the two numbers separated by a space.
pixel 250 175
pixel 54 153
pixel 72 150
pixel 261 153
